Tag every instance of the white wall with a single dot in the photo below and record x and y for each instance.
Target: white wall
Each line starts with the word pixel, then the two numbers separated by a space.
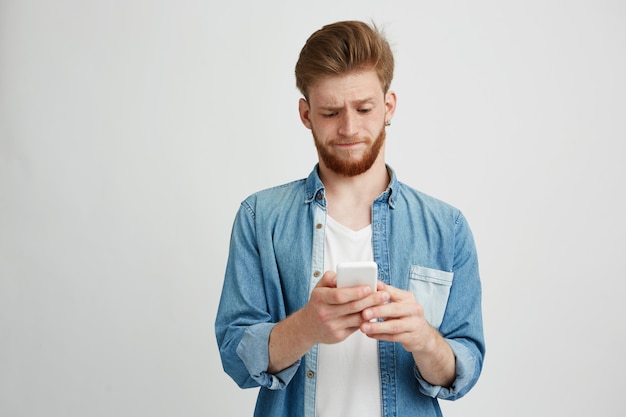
pixel 131 130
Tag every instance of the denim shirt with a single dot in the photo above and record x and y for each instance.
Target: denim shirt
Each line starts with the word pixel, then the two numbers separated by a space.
pixel 276 258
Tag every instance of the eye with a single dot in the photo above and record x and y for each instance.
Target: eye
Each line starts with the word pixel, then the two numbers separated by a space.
pixel 365 111
pixel 329 115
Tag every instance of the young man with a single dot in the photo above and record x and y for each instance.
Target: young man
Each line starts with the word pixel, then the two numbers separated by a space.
pixel 283 325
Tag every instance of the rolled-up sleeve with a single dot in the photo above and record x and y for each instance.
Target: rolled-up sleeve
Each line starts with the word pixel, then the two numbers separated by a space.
pixel 253 351
pixel 466 372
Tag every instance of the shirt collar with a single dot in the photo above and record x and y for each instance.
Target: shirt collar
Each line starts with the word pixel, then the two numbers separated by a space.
pixel 314 188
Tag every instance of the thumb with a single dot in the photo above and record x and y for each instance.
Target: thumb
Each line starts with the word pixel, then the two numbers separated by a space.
pixel 329 279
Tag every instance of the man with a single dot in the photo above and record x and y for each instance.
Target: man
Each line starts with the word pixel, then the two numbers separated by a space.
pixel 282 323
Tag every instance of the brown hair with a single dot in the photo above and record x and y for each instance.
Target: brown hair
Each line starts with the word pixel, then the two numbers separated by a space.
pixel 343 47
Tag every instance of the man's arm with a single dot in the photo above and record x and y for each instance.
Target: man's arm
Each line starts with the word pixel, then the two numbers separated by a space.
pixel 287 343
pixel 406 324
pixel 436 362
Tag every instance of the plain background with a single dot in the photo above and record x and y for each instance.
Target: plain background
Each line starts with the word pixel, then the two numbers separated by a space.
pixel 131 130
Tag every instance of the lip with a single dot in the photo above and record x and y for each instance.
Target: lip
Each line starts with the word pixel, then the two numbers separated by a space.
pixel 348 144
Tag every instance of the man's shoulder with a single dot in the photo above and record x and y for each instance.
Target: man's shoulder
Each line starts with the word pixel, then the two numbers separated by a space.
pixel 414 198
pixel 277 195
pixel 411 192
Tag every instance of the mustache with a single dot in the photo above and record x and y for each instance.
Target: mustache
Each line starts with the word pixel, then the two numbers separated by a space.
pixel 349 141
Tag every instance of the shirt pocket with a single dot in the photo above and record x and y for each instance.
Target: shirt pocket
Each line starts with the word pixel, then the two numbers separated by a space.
pixel 431 288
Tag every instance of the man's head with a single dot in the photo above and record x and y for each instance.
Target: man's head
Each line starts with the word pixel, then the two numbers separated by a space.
pixel 344 47
pixel 344 73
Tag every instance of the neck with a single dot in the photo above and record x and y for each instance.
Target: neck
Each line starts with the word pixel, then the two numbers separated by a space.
pixel 350 198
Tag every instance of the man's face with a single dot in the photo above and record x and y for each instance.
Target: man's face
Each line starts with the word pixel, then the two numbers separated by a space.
pixel 347 115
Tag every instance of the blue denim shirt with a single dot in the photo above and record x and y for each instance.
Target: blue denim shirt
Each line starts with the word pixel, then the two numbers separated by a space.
pixel 276 258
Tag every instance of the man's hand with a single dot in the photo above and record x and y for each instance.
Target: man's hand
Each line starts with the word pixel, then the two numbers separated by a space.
pixel 334 313
pixel 404 322
pixel 331 315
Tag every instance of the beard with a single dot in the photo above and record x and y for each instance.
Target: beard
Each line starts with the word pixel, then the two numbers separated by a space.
pixel 346 166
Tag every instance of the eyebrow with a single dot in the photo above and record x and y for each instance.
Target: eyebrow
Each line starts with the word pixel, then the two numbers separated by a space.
pixel 359 102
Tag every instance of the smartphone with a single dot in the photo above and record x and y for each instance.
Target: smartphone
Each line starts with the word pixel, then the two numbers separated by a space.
pixel 350 274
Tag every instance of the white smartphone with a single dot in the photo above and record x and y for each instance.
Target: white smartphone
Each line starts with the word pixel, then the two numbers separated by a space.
pixel 350 274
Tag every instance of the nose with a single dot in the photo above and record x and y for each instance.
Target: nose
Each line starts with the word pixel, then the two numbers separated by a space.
pixel 347 125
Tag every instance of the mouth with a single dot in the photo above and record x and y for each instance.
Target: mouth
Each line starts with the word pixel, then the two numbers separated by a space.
pixel 349 144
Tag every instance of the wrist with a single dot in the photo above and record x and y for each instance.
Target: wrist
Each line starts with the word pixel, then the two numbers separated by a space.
pixel 429 343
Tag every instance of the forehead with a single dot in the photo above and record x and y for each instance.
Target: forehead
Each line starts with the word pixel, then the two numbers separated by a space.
pixel 338 90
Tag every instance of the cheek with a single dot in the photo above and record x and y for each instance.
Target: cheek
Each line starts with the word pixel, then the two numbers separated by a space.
pixel 323 129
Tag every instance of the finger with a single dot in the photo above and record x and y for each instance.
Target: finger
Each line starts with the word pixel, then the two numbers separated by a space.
pixel 391 310
pixel 329 279
pixel 398 295
pixel 387 330
pixel 395 293
pixel 327 292
pixel 355 298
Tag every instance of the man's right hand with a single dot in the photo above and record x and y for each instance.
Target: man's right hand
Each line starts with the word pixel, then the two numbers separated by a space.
pixel 334 313
pixel 330 316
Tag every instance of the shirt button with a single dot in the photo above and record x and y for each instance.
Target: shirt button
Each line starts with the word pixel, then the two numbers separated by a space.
pixel 310 374
pixel 318 226
pixel 316 274
pixel 320 196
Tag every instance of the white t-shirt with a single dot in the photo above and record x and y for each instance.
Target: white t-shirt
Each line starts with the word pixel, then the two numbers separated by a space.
pixel 348 381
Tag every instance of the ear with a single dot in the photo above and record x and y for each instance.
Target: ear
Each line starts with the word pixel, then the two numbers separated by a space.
pixel 305 112
pixel 390 105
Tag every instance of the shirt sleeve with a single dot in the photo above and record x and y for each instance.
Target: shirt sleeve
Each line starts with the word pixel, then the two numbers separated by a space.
pixel 253 351
pixel 243 322
pixel 462 325
pixel 465 372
